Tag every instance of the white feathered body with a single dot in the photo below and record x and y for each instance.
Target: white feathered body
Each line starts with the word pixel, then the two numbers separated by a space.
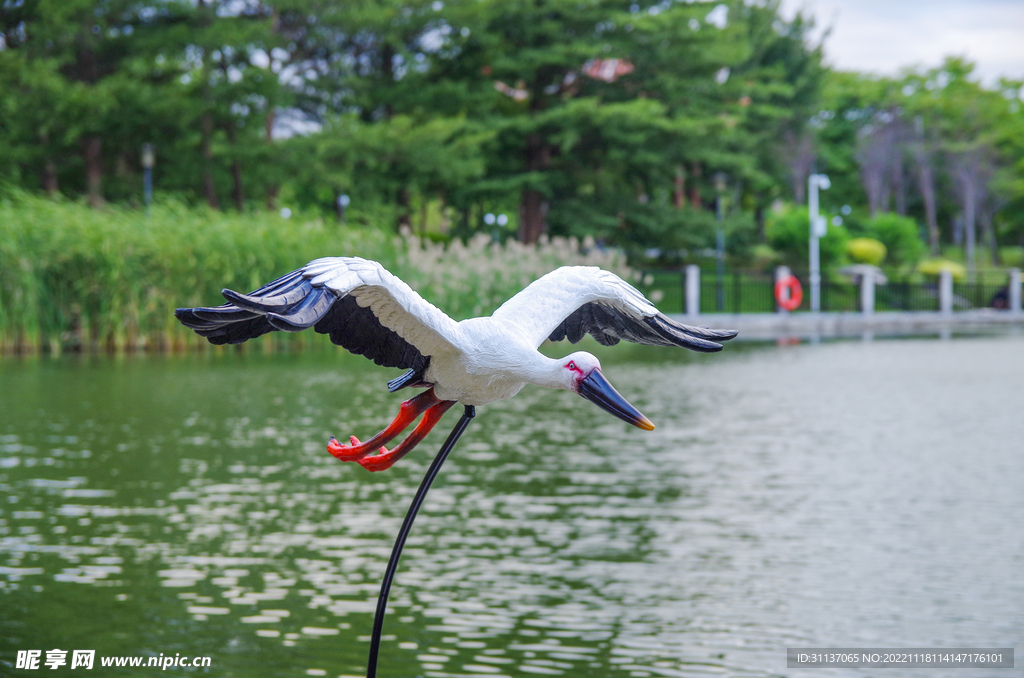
pixel 496 364
pixel 479 360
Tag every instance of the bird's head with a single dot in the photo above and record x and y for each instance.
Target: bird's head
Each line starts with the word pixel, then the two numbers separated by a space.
pixel 581 372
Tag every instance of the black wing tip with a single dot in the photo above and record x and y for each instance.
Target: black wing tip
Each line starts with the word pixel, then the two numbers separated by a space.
pixel 289 304
pixel 188 318
pixel 236 298
pixel 719 335
pixel 609 325
pixel 702 331
pixel 700 339
pixel 250 302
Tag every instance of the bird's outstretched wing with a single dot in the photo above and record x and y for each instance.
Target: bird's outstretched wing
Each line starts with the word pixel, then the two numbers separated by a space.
pixel 357 302
pixel 577 300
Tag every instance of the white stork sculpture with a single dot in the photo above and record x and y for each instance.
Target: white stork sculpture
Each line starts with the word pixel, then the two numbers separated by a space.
pixel 477 361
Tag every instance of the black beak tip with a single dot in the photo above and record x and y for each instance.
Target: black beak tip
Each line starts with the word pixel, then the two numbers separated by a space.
pixel 597 390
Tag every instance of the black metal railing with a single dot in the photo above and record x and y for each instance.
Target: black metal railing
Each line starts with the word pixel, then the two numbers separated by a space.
pixel 980 293
pixel 901 295
pixel 741 293
pixel 754 292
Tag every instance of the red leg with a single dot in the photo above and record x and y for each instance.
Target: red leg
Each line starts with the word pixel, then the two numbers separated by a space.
pixel 386 458
pixel 408 412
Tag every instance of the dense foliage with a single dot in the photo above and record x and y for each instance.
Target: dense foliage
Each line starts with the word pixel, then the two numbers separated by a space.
pixel 637 122
pixel 934 145
pixel 608 118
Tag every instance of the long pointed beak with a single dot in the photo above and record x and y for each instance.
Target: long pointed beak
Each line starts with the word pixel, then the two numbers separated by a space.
pixel 597 390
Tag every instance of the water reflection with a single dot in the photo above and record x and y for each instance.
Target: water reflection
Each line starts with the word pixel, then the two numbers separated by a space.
pixel 836 494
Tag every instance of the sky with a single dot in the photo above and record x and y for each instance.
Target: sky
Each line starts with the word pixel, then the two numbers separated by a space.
pixel 884 36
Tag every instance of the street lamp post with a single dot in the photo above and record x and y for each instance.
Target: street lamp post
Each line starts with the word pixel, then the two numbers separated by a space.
pixel 819 226
pixel 148 160
pixel 719 244
pixel 340 205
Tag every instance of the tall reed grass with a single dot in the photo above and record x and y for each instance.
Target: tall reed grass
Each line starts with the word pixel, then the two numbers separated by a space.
pixel 473 279
pixel 76 278
pixel 73 277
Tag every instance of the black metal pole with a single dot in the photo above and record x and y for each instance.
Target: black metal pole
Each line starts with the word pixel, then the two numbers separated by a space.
pixel 403 534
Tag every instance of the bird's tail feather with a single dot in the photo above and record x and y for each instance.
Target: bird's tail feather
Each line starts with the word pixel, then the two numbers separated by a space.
pixel 412 378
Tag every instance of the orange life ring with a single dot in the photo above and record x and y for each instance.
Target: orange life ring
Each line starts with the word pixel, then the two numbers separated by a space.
pixel 789 293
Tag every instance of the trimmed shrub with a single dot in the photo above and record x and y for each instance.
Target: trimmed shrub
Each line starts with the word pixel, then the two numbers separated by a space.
pixel 866 251
pixel 901 238
pixel 936 266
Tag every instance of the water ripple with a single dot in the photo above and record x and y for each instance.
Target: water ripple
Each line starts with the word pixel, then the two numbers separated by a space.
pixel 772 506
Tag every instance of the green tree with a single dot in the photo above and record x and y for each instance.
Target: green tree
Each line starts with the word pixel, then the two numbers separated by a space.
pixel 778 89
pixel 67 68
pixel 369 161
pixel 934 144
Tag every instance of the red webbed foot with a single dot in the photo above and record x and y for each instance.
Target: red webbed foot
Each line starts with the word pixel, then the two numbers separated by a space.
pixel 352 452
pixel 379 462
pixel 387 458
pixel 407 413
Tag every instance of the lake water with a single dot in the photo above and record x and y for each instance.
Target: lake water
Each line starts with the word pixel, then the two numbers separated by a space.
pixel 845 494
